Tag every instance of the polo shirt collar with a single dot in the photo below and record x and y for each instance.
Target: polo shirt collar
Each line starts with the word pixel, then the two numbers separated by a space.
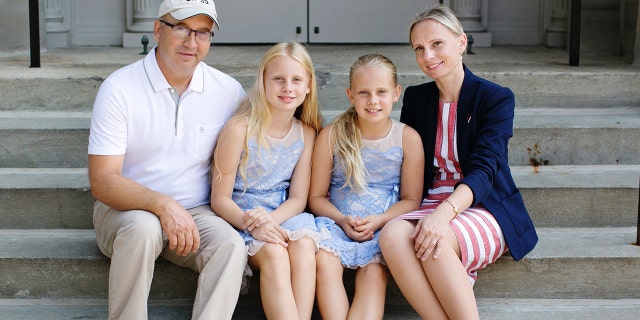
pixel 158 81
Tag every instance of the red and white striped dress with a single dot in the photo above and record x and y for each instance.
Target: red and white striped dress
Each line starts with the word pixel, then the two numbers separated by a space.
pixel 479 235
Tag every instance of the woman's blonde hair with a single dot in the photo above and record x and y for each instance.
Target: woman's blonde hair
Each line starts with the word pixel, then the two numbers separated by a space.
pixel 254 109
pixel 443 14
pixel 345 137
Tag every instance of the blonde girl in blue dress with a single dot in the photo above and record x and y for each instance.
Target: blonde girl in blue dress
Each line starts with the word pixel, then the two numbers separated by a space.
pixel 367 169
pixel 260 179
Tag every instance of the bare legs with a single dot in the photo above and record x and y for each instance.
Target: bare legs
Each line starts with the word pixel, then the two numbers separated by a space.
pixel 369 298
pixel 287 278
pixel 435 288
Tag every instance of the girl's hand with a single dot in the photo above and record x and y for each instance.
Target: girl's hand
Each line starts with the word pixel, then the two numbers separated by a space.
pixel 349 225
pixel 272 233
pixel 371 223
pixel 254 218
pixel 429 231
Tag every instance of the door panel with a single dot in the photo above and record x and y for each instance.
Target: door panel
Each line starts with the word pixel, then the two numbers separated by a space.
pixel 363 21
pixel 263 21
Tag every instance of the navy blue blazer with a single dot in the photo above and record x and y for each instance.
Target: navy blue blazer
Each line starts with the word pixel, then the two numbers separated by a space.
pixel 484 126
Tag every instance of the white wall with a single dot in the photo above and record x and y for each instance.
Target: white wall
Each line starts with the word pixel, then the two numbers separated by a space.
pixel 14 25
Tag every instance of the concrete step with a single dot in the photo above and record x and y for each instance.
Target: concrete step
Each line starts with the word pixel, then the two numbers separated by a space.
pixel 44 139
pixel 490 309
pixel 539 77
pixel 568 263
pixel 542 136
pixel 556 196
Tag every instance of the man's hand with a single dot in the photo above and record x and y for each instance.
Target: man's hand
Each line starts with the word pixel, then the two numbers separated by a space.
pixel 180 228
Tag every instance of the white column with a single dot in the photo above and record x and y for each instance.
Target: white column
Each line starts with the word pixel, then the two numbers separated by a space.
pixel 140 17
pixel 57 31
pixel 556 33
pixel 473 14
pixel 54 16
pixel 469 12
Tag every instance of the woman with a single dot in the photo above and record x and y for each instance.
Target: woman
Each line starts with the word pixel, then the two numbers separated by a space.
pixel 472 211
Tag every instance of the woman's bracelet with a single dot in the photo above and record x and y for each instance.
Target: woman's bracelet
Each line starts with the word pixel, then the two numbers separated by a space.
pixel 456 210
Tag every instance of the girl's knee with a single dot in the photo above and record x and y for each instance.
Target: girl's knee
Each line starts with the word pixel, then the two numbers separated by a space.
pixel 327 263
pixel 373 271
pixel 272 251
pixel 303 244
pixel 393 232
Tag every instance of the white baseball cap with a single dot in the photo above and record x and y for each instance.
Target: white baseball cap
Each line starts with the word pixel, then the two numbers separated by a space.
pixel 183 9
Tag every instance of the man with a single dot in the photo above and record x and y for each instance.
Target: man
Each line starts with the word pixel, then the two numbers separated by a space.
pixel 154 125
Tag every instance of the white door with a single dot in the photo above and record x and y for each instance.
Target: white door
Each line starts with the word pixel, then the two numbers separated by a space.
pixel 261 21
pixel 363 21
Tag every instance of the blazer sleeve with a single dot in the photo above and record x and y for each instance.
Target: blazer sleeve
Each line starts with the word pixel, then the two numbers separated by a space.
pixel 487 155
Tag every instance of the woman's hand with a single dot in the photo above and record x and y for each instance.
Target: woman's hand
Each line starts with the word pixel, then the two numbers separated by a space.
pixel 428 233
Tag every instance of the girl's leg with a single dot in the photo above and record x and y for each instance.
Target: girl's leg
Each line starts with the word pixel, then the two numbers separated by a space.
pixel 302 257
pixel 275 281
pixel 407 271
pixel 332 297
pixel 370 293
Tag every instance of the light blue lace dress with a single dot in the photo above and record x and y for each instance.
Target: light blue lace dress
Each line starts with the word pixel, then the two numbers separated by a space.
pixel 383 161
pixel 268 173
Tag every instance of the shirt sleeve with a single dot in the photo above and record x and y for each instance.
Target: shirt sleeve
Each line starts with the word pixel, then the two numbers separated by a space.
pixel 108 131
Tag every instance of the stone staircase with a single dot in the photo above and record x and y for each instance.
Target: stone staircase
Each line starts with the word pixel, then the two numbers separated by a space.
pixel 575 155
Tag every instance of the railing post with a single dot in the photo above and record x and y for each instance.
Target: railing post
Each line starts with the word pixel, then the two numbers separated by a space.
pixel 574 33
pixel 638 222
pixel 34 33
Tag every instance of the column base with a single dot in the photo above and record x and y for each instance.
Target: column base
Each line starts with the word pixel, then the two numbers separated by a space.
pixel 134 40
pixel 556 39
pixel 57 39
pixel 480 39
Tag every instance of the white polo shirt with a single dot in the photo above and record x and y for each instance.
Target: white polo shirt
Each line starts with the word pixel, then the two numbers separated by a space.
pixel 167 144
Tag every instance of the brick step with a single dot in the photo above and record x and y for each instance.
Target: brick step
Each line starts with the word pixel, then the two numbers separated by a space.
pixel 542 136
pixel 567 263
pixel 556 196
pixel 490 309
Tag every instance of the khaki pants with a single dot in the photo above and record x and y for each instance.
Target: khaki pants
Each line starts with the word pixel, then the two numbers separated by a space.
pixel 134 240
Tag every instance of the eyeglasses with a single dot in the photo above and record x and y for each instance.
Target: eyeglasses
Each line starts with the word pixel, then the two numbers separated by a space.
pixel 184 32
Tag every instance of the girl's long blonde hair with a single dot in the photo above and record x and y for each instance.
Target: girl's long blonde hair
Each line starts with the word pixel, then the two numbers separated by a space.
pixel 254 109
pixel 345 137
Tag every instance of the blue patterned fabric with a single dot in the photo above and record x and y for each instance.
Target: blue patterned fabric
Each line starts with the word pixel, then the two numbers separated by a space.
pixel 268 175
pixel 383 161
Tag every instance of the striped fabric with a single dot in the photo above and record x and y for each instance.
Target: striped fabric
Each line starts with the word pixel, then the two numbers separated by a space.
pixel 480 238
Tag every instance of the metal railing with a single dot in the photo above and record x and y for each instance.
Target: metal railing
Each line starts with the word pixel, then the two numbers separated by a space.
pixel 34 33
pixel 574 35
pixel 638 222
